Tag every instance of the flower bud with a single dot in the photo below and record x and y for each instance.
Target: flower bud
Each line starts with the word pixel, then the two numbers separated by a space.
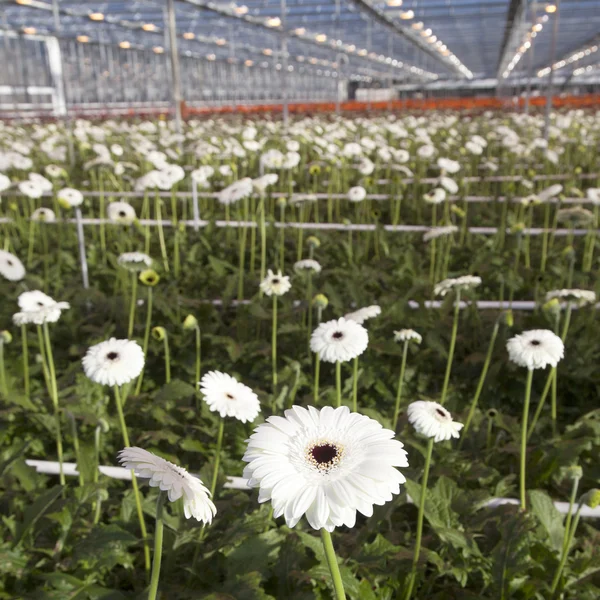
pixel 281 202
pixel 458 211
pixel 5 337
pixel 552 307
pixel 159 333
pixel 491 413
pixel 190 322
pixel 578 170
pixel 574 472
pixel 149 277
pixel 314 169
pixel 103 425
pixel 320 301
pixel 591 498
pixel 313 241
pixel 509 318
pixel 517 228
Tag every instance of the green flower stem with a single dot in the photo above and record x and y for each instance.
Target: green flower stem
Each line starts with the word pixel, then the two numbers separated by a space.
pixel 528 224
pixel 432 246
pixel 540 406
pixel 242 259
pixel 132 305
pixel 282 237
pixel 136 491
pixel 252 236
pixel 338 383
pixel 31 243
pixel 400 384
pixel 308 305
pixel 215 475
pixel 145 214
pixel 167 358
pixel 138 386
pixel 355 385
pixel 488 434
pixel 263 239
pixel 569 518
pixel 317 374
pixel 76 446
pixel 176 253
pixel 54 396
pixel 198 354
pixel 300 232
pixel 332 563
pixel 161 233
pixel 565 552
pixel 274 345
pixel 25 350
pixel 420 517
pixel 451 350
pixel 41 346
pixel 524 439
pixel 545 237
pixel 158 542
pixel 3 386
pixel 95 477
pixel 102 216
pixel 482 377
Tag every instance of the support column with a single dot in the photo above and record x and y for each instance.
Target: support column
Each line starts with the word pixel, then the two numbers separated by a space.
pixel 176 88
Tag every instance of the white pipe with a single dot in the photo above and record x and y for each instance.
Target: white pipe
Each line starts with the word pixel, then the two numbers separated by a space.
pixel 489 304
pixel 49 467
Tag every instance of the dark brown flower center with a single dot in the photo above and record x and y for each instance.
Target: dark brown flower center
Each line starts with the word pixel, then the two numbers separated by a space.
pixel 122 213
pixel 275 280
pixel 40 304
pixel 338 335
pixel 112 355
pixel 230 396
pixel 9 263
pixel 440 412
pixel 324 454
pixel 535 342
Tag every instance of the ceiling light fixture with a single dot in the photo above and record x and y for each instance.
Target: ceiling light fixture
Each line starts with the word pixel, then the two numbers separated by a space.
pixel 96 16
pixel 84 39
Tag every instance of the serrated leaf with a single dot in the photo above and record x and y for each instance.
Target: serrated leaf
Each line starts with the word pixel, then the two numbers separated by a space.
pixel 543 508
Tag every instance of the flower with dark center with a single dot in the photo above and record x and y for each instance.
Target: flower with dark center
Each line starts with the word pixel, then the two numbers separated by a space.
pixel 433 420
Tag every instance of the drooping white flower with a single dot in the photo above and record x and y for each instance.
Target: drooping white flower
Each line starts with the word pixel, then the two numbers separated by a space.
pixel 407 335
pixel 433 421
pixel 357 194
pixel 275 284
pixel 174 480
pixel 326 464
pixel 436 232
pixel 43 215
pixel 11 267
pixel 307 264
pixel 121 212
pixel 435 196
pixel 230 398
pixel 365 166
pixel 339 340
pixel 449 184
pixel 535 349
pixel 236 191
pixel 38 308
pixel 68 197
pixel 465 282
pixel 363 314
pixel 448 166
pixel 113 362
pixel 261 184
pixel 580 297
pixel 550 192
pixel 135 261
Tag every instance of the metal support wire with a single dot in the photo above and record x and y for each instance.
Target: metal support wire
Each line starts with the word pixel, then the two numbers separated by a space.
pixel 172 26
pixel 551 75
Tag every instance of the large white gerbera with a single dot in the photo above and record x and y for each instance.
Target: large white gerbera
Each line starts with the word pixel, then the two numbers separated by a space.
pixel 363 314
pixel 593 195
pixel 11 267
pixel 275 284
pixel 230 398
pixel 68 197
pixel 174 480
pixel 448 165
pixel 236 191
pixel 38 308
pixel 579 297
pixel 407 335
pixel 326 464
pixel 41 181
pixel 357 194
pixel 30 189
pixel 449 184
pixel 5 182
pixel 113 362
pixel 339 340
pixel 261 184
pixel 135 261
pixel 535 349
pixel 307 264
pixel 121 212
pixel 465 282
pixel 433 420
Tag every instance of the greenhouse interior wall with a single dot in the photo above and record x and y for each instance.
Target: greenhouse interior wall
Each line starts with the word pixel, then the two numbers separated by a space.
pixel 299 299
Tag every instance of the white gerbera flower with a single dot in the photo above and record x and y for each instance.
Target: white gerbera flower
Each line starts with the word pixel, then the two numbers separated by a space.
pixel 38 308
pixel 68 197
pixel 550 192
pixel 449 184
pixel 580 297
pixel 261 184
pixel 435 196
pixel 339 340
pixel 436 232
pixel 407 335
pixel 433 421
pixel 203 173
pixel 593 195
pixel 465 282
pixel 357 194
pixel 307 264
pixel 236 191
pixel 174 480
pixel 362 314
pixel 11 267
pixel 121 212
pixel 275 284
pixel 425 151
pixel 4 183
pixel 448 166
pixel 135 261
pixel 113 362
pixel 30 189
pixel 535 349
pixel 326 464
pixel 45 215
pixel 352 149
pixel 473 148
pixel 230 398
pixel 366 166
pixel 41 181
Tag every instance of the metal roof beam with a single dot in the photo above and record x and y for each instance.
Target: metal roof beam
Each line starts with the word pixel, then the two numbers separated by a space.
pixel 516 17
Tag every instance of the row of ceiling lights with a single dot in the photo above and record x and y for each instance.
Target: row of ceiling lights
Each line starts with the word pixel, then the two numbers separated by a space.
pixel 576 56
pixel 588 69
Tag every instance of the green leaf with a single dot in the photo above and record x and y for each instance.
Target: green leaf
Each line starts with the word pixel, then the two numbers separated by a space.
pixel 174 390
pixel 36 510
pixel 549 516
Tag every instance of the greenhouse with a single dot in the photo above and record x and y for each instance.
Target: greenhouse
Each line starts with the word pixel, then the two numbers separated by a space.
pixel 300 300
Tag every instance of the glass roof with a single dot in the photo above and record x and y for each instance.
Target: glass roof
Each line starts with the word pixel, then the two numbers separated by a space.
pixel 405 39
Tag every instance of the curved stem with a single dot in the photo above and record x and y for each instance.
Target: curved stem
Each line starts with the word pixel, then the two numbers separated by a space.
pixel 451 349
pixel 420 517
pixel 565 552
pixel 338 383
pixel 215 476
pixel 400 384
pixel 136 491
pixel 522 487
pixel 332 563
pixel 355 385
pixel 132 304
pixel 565 545
pixel 158 541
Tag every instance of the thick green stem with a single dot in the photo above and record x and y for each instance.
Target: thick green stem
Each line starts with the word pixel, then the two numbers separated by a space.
pixel 338 383
pixel 317 374
pixel 167 358
pixel 432 246
pixel 332 563
pixel 274 345
pixel 25 347
pixel 400 384
pixel 482 377
pixel 198 354
pixel 76 447
pixel 215 476
pixel 565 552
pixel 158 542
pixel 242 259
pixel 451 350
pixel 132 305
pixel 263 239
pixel 545 237
pixel 572 499
pixel 161 233
pixel 136 491
pixel 522 487
pixel 355 385
pixel 3 386
pixel 138 386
